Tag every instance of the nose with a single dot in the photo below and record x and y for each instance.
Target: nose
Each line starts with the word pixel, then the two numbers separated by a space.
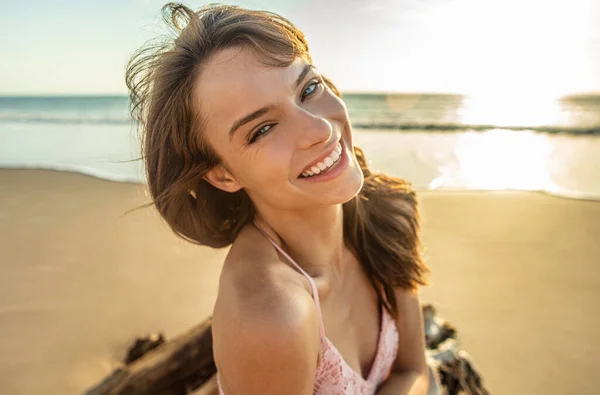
pixel 312 129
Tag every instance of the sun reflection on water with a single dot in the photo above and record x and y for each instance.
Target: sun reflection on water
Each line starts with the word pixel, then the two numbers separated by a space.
pixel 498 159
pixel 512 111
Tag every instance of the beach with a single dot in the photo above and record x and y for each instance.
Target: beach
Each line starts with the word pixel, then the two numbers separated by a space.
pixel 515 272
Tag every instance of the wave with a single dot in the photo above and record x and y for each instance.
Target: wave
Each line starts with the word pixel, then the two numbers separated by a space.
pixel 454 127
pixel 63 119
pixel 555 191
pixel 438 127
pixel 85 170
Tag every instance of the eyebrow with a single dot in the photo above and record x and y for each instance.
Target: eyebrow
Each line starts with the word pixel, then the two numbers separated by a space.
pixel 262 111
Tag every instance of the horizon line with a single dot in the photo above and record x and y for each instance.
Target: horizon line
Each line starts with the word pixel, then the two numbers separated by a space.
pixel 356 92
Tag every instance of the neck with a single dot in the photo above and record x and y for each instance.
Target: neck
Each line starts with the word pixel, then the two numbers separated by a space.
pixel 314 240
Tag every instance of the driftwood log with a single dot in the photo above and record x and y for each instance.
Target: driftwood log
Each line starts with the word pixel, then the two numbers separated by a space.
pixel 185 365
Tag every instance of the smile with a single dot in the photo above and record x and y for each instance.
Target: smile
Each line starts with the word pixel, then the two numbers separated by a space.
pixel 325 164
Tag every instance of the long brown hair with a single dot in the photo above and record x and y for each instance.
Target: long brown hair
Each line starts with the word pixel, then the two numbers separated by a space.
pixel 381 223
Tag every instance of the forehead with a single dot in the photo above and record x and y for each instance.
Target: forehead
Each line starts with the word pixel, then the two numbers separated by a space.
pixel 233 84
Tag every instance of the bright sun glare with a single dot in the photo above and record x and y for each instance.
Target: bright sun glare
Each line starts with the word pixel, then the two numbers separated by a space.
pixel 498 160
pixel 512 111
pixel 531 48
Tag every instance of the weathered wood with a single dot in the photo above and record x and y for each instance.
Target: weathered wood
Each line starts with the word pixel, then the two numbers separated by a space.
pixel 176 367
pixel 185 364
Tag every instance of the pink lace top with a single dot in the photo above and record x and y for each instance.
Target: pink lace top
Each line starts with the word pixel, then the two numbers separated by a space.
pixel 334 376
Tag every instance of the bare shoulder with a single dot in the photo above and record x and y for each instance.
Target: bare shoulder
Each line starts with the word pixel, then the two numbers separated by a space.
pixel 265 329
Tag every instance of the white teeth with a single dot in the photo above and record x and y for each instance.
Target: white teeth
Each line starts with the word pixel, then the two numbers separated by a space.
pixel 327 162
pixel 335 156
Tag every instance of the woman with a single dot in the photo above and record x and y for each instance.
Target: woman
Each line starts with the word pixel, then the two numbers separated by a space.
pixel 247 145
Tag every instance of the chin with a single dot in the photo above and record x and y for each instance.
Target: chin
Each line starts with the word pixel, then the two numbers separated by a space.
pixel 347 188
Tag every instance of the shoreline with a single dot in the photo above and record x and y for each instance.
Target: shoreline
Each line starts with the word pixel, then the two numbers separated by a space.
pixel 515 272
pixel 93 173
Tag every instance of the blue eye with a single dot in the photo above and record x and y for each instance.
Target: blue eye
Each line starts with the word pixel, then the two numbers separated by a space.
pixel 310 89
pixel 260 131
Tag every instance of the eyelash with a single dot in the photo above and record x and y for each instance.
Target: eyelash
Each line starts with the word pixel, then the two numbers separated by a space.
pixel 314 83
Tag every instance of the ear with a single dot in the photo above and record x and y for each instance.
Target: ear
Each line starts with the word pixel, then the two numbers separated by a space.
pixel 221 178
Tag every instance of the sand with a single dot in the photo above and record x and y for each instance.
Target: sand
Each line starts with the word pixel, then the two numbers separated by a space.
pixel 515 272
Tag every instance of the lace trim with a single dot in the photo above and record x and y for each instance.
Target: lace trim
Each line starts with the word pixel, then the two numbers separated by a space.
pixel 335 377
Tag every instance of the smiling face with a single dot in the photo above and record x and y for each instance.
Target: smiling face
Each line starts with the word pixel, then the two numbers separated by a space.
pixel 274 126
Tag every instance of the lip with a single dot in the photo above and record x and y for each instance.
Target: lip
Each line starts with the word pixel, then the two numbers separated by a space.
pixel 333 171
pixel 320 159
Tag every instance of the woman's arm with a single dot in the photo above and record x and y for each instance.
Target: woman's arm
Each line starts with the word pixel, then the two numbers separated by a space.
pixel 269 346
pixel 410 383
pixel 410 374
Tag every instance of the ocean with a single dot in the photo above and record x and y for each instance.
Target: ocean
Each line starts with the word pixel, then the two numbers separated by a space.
pixel 435 141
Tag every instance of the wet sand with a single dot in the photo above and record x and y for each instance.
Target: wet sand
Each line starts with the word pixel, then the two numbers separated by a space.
pixel 516 273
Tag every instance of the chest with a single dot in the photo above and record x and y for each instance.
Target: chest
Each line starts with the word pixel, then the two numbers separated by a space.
pixel 352 319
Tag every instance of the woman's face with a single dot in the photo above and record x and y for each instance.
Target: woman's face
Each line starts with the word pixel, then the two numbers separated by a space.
pixel 271 126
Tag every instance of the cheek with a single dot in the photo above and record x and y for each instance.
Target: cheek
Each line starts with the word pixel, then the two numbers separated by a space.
pixel 270 167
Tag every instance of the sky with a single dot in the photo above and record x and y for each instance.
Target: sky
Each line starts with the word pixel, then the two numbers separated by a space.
pixel 476 47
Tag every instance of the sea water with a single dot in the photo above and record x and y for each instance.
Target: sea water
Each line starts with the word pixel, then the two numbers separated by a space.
pixel 440 142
